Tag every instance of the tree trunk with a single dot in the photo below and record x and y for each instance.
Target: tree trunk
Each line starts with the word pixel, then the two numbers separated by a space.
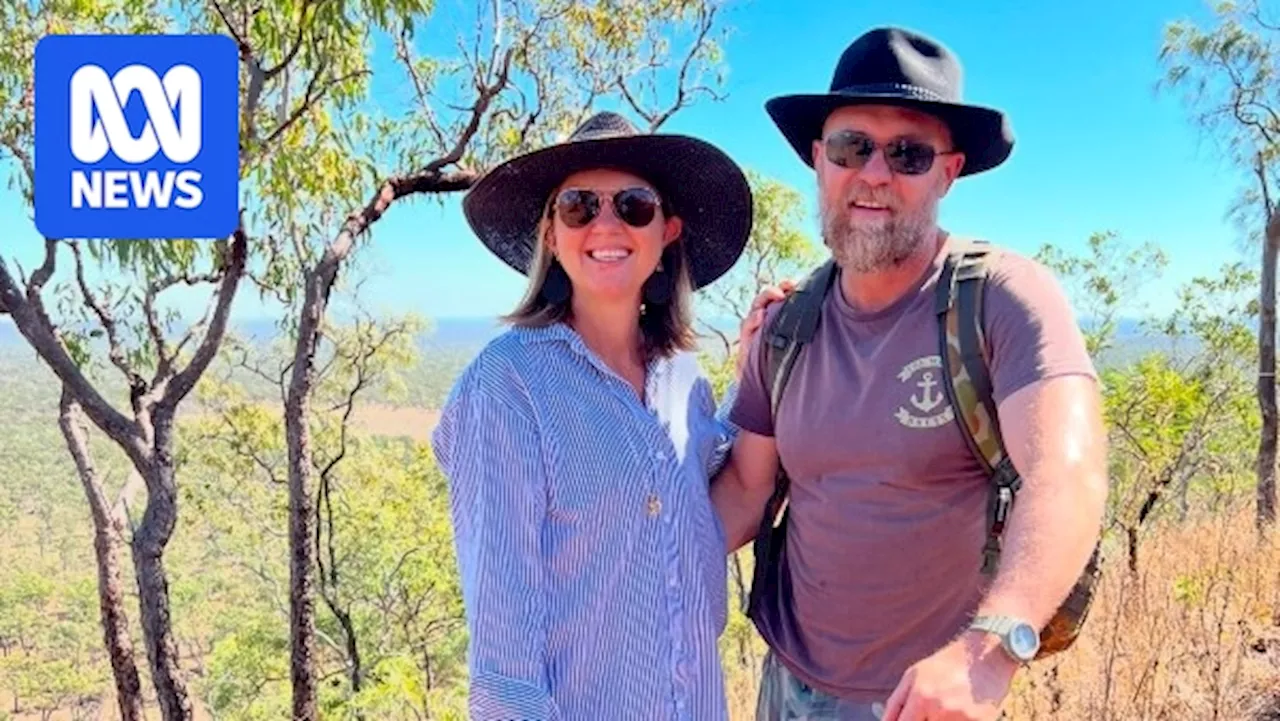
pixel 147 439
pixel 319 283
pixel 149 541
pixel 1266 468
pixel 302 629
pixel 108 532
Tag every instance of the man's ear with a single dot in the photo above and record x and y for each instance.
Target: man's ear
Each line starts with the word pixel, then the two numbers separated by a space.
pixel 951 171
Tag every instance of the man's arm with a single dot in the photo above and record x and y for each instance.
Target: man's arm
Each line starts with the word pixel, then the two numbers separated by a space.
pixel 1054 434
pixel 743 486
pixel 1051 422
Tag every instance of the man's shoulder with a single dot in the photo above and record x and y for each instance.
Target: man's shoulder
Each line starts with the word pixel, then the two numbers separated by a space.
pixel 1011 263
pixel 808 275
pixel 1019 280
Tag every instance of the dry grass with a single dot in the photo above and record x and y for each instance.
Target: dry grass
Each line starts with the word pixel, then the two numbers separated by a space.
pixel 1195 634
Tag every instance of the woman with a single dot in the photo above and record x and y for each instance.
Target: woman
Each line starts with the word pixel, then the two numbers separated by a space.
pixel 578 443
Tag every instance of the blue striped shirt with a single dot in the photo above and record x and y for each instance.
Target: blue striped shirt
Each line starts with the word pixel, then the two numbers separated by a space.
pixel 592 562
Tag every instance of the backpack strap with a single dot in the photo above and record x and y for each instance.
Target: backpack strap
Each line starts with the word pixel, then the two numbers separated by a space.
pixel 793 327
pixel 959 306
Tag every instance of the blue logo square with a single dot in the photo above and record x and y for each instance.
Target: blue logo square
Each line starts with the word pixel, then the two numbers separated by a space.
pixel 136 136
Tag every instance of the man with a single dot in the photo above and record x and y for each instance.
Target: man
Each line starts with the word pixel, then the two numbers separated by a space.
pixel 879 579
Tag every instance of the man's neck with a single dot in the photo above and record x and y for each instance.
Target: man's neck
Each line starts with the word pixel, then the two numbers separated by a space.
pixel 611 331
pixel 877 290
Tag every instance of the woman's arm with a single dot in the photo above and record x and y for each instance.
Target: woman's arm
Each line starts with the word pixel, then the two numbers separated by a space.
pixel 489 450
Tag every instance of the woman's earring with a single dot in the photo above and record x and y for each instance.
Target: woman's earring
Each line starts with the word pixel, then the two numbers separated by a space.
pixel 659 287
pixel 556 288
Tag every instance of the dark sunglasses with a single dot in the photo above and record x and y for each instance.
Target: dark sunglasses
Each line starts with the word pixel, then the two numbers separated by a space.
pixel 852 149
pixel 579 206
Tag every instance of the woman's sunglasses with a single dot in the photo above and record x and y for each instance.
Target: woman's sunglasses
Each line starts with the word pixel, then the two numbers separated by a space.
pixel 852 149
pixel 634 206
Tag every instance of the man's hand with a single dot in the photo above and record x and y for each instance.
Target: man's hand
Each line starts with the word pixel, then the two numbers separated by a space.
pixel 965 681
pixel 755 318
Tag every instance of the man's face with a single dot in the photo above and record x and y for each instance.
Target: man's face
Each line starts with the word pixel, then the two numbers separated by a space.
pixel 874 217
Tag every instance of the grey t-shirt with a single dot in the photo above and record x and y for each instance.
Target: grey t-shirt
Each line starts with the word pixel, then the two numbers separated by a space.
pixel 888 505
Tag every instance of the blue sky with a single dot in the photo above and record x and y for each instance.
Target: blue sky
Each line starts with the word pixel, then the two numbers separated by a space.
pixel 1098 148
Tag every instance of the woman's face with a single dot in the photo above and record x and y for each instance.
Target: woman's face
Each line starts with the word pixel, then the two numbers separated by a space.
pixel 609 232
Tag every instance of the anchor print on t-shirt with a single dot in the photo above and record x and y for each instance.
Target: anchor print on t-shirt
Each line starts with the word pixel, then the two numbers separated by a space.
pixel 924 402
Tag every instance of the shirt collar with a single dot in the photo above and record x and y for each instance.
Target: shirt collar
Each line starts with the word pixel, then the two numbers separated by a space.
pixel 561 332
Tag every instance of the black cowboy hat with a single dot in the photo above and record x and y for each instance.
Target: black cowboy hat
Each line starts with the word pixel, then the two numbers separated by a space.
pixel 892 66
pixel 697 181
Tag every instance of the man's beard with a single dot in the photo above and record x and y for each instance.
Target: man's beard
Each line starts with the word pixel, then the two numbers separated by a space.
pixel 879 245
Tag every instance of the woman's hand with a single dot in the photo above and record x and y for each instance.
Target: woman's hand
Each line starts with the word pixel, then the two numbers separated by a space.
pixel 755 318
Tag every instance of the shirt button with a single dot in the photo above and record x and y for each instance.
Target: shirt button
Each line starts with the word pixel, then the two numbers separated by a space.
pixel 654 505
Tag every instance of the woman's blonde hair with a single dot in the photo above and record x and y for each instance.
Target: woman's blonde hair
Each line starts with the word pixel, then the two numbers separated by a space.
pixel 666 327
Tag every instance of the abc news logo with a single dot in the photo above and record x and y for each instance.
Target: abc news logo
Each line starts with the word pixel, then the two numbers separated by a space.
pixel 93 136
pixel 137 136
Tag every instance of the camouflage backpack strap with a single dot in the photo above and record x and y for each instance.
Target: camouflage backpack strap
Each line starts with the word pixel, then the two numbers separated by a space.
pixel 962 344
pixel 792 328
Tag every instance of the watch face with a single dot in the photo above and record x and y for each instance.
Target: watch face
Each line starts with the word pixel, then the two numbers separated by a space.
pixel 1024 640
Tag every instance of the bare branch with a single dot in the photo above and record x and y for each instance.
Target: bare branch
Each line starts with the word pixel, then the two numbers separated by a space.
pixel 46 269
pixel 115 350
pixel 250 450
pixel 133 484
pixel 394 189
pixel 724 338
pixel 34 324
pixel 485 93
pixel 314 94
pixel 276 381
pixel 496 49
pixel 194 329
pixel 404 54
pixel 1256 14
pixel 154 289
pixel 246 51
pixel 23 158
pixel 705 17
pixel 361 363
pixel 297 43
pixel 232 271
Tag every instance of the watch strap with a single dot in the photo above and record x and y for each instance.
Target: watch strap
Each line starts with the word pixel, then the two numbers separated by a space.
pixel 1000 625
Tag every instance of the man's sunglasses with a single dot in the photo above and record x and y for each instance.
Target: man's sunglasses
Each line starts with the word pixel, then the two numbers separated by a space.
pixel 852 149
pixel 579 206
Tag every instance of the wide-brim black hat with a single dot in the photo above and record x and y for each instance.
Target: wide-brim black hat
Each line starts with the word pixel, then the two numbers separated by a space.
pixel 698 182
pixel 892 66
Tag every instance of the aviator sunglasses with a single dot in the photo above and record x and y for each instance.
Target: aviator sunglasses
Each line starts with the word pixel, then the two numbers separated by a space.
pixel 852 149
pixel 579 206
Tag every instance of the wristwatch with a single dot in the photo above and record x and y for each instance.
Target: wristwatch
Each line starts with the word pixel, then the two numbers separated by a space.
pixel 1017 637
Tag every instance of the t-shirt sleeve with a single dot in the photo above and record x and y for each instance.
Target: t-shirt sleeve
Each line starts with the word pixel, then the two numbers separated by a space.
pixel 1032 333
pixel 751 411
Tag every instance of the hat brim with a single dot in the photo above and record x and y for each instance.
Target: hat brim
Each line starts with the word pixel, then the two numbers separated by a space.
pixel 983 134
pixel 700 183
